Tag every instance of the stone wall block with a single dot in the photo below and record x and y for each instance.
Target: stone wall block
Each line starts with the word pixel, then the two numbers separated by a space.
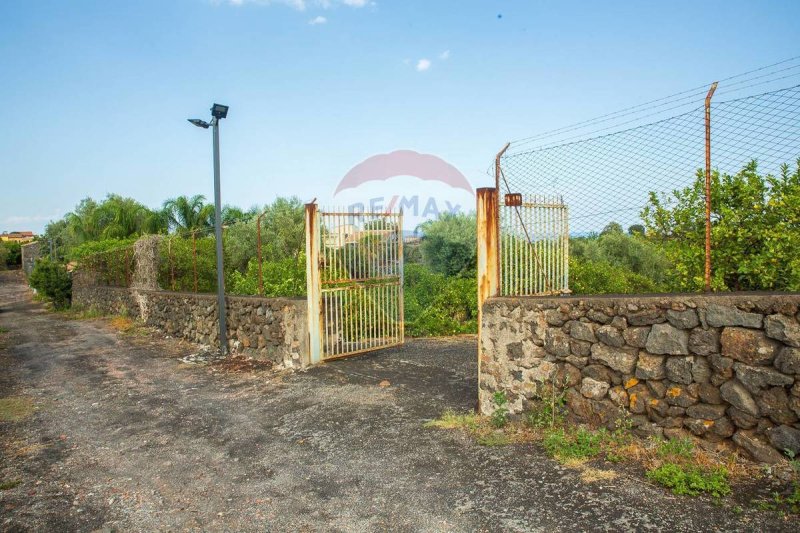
pixel 679 369
pixel 704 341
pixel 755 378
pixel 582 331
pixel 723 315
pixel 620 359
pixel 610 336
pixel 749 346
pixel 738 396
pixel 650 366
pixel 667 339
pixel 636 336
pixel 788 361
pixel 783 328
pixel 683 319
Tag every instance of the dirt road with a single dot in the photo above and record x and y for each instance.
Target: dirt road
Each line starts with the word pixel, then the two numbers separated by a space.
pixel 123 436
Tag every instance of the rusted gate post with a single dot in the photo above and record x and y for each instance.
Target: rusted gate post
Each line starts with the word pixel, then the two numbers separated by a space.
pixel 708 186
pixel 313 286
pixel 258 241
pixel 488 260
pixel 194 260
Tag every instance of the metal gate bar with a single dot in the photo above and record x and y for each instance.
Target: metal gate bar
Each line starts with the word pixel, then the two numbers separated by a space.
pixel 357 288
pixel 534 247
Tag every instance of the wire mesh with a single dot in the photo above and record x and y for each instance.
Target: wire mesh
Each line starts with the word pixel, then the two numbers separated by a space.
pixel 607 181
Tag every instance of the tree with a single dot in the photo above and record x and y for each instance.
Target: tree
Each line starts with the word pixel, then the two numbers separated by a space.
pixel 449 244
pixel 755 230
pixel 186 214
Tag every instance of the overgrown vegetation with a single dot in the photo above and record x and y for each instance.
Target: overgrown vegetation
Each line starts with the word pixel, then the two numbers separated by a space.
pixel 52 281
pixel 675 464
pixel 10 255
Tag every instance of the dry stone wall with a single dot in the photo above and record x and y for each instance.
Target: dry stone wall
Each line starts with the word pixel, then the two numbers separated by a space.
pixel 724 368
pixel 273 329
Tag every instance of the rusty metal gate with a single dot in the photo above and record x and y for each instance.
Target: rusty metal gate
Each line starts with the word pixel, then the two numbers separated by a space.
pixel 534 246
pixel 355 281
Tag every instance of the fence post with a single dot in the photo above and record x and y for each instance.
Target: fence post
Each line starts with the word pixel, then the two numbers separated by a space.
pixel 314 289
pixel 488 259
pixel 171 264
pixel 260 274
pixel 708 186
pixel 194 260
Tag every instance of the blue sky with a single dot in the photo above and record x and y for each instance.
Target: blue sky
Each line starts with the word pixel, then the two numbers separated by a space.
pixel 96 93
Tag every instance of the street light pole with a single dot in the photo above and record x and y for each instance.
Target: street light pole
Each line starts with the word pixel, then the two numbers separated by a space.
pixel 218 112
pixel 223 327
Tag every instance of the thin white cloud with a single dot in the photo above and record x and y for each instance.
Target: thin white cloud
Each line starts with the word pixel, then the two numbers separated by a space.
pixel 318 20
pixel 299 5
pixel 423 65
pixel 444 56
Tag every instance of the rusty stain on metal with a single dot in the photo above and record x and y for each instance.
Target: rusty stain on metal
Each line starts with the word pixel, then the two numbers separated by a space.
pixel 359 281
pixel 313 283
pixel 708 185
pixel 513 199
pixel 194 259
pixel 487 255
pixel 258 241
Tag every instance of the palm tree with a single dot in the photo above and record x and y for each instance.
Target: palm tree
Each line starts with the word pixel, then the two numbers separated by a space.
pixel 188 214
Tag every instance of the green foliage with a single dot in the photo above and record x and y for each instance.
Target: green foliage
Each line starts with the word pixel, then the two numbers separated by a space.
pixel 493 438
pixel 53 281
pixel 439 305
pixel 176 268
pixel 599 277
pixel 565 445
pixel 113 266
pixel 631 253
pixel 285 277
pixel 691 480
pixel 186 214
pixel 10 254
pixel 282 235
pixel 676 448
pixel 549 408
pixel 755 230
pixel 115 217
pixel 452 420
pixel 89 248
pixel 499 417
pixel 449 244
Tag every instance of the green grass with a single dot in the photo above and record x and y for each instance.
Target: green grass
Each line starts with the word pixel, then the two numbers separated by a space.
pixel 15 408
pixel 493 438
pixel 676 448
pixel 566 445
pixel 3 330
pixel 10 484
pixel 691 480
pixel 452 420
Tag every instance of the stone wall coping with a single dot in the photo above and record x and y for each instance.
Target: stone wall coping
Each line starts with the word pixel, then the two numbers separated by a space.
pixel 209 295
pixel 606 298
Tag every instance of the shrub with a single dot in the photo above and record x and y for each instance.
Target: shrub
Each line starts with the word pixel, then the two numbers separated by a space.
pixel 436 304
pixel 53 281
pixel 691 480
pixel 588 276
pixel 448 244
pixel 286 277
pixel 566 444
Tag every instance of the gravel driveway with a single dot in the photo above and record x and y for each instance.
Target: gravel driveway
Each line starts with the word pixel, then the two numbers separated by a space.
pixel 126 437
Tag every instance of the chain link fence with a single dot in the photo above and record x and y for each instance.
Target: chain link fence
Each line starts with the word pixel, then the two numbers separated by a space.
pixel 637 197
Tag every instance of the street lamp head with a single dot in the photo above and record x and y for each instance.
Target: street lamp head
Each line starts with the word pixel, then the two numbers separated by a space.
pixel 199 123
pixel 219 111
